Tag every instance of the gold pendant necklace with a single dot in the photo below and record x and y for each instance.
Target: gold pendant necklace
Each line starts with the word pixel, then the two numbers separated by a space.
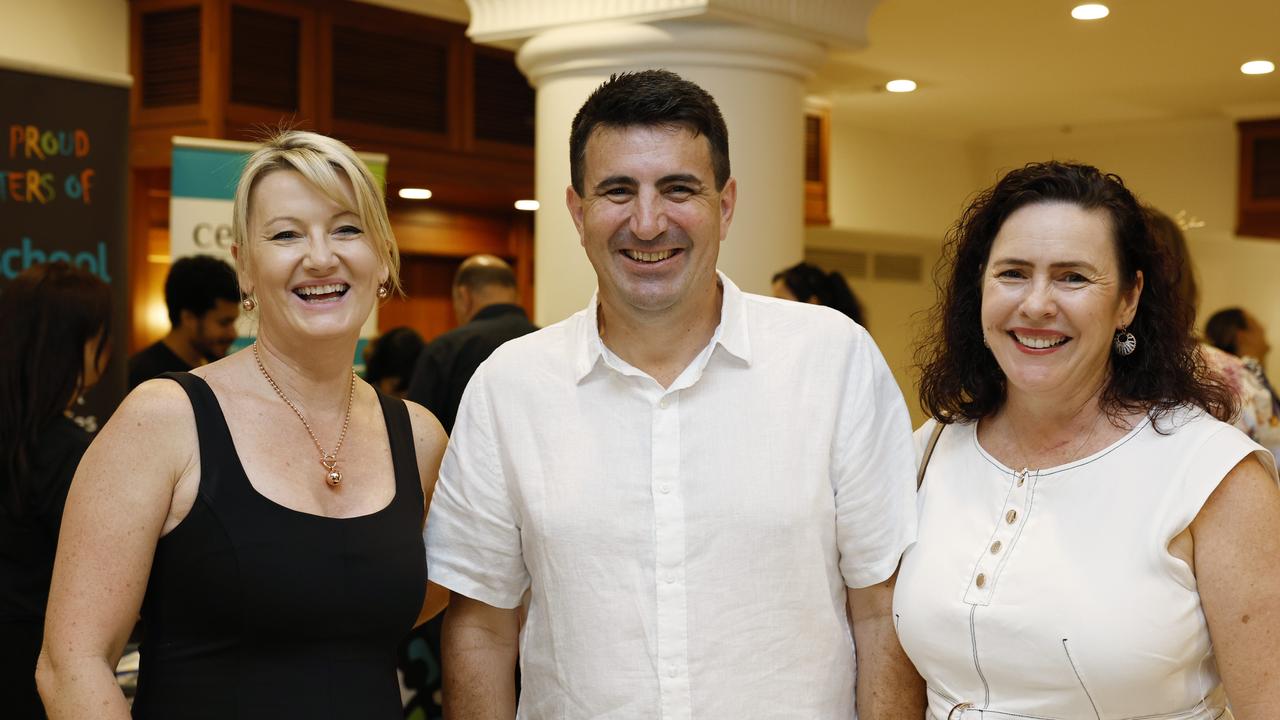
pixel 333 475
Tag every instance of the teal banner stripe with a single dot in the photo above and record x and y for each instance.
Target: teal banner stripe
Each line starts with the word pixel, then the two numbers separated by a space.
pixel 206 173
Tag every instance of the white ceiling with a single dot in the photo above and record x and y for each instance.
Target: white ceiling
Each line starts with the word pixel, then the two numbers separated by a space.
pixel 987 66
pixel 990 66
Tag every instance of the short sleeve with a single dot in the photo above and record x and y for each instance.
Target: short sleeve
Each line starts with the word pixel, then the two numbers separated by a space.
pixel 873 468
pixel 472 533
pixel 1217 453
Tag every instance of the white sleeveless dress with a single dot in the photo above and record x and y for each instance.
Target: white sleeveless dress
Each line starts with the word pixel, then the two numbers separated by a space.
pixel 1053 596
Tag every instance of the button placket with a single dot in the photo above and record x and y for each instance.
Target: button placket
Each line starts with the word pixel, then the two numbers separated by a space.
pixel 991 561
pixel 669 536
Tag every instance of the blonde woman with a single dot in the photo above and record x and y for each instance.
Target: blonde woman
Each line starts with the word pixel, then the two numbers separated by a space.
pixel 263 512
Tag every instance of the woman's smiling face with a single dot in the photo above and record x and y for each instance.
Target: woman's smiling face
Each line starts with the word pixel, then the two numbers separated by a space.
pixel 314 271
pixel 1053 298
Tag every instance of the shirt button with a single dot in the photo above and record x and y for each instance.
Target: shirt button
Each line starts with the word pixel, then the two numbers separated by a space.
pixel 673 672
pixel 670 578
pixel 662 403
pixel 995 547
pixel 664 489
pixel 1011 516
pixel 981 580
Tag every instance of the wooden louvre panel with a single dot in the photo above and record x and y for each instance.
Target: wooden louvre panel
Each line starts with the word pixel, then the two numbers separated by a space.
pixel 390 80
pixel 816 147
pixel 504 102
pixel 1258 201
pixel 813 148
pixel 171 57
pixel 1265 178
pixel 265 49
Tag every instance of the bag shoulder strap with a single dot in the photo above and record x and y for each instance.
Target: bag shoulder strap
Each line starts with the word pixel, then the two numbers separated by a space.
pixel 928 452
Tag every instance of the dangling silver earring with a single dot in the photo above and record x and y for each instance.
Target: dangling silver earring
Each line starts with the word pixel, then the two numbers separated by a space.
pixel 248 304
pixel 383 291
pixel 1124 342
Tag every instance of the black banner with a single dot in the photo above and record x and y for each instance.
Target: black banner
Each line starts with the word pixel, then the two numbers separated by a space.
pixel 64 193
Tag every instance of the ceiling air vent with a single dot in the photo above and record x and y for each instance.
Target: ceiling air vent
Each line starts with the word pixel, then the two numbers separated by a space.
pixel 389 80
pixel 896 266
pixel 171 57
pixel 264 58
pixel 504 101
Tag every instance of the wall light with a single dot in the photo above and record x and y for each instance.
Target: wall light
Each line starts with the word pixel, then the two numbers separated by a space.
pixel 415 193
pixel 900 86
pixel 1258 67
pixel 529 205
pixel 1090 11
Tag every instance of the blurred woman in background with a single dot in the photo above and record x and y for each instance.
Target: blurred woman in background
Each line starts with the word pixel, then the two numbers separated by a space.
pixel 809 283
pixel 54 343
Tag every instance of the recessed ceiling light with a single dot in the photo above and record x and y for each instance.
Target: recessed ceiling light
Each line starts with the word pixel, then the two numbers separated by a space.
pixel 900 86
pixel 1258 67
pixel 1090 11
pixel 415 193
pixel 529 205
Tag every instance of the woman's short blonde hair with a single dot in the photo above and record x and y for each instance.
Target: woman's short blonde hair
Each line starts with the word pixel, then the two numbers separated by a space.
pixel 325 163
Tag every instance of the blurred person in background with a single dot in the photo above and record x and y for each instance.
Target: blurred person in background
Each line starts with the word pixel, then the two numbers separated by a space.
pixel 1257 414
pixel 389 360
pixel 1238 332
pixel 263 512
pixel 203 299
pixel 55 340
pixel 484 301
pixel 808 283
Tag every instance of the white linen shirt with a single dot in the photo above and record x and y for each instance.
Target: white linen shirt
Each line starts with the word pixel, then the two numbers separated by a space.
pixel 687 549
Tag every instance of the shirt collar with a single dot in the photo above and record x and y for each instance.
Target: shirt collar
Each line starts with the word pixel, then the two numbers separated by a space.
pixel 731 334
pixel 496 310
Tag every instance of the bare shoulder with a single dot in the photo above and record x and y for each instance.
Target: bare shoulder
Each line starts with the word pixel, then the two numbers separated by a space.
pixel 157 412
pixel 147 445
pixel 429 440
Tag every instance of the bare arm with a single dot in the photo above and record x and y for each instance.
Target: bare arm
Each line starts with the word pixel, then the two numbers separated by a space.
pixel 889 687
pixel 478 649
pixel 429 442
pixel 1236 543
pixel 118 504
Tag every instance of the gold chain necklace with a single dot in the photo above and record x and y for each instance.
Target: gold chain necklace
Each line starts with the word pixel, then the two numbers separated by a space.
pixel 328 460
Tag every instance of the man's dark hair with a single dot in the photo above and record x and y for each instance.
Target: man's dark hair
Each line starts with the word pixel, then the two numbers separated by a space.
pixel 48 314
pixel 960 379
pixel 482 275
pixel 1223 329
pixel 649 98
pixel 195 283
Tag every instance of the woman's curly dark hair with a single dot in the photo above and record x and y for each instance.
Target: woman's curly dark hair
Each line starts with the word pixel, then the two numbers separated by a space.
pixel 960 379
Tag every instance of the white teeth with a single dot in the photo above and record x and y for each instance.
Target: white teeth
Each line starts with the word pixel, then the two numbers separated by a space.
pixel 649 256
pixel 1040 343
pixel 321 289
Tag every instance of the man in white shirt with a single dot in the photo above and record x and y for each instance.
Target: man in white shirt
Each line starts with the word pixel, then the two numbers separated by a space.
pixel 698 488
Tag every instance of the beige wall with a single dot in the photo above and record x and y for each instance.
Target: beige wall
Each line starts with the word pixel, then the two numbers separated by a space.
pixel 76 35
pixel 893 193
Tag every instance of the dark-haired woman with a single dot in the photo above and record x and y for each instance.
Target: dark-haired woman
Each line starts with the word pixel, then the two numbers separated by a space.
pixel 1093 542
pixel 809 283
pixel 54 343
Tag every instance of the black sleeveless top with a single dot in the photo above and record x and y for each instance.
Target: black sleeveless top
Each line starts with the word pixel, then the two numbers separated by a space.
pixel 254 610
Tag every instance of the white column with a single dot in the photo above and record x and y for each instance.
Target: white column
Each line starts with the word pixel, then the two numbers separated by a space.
pixel 756 76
